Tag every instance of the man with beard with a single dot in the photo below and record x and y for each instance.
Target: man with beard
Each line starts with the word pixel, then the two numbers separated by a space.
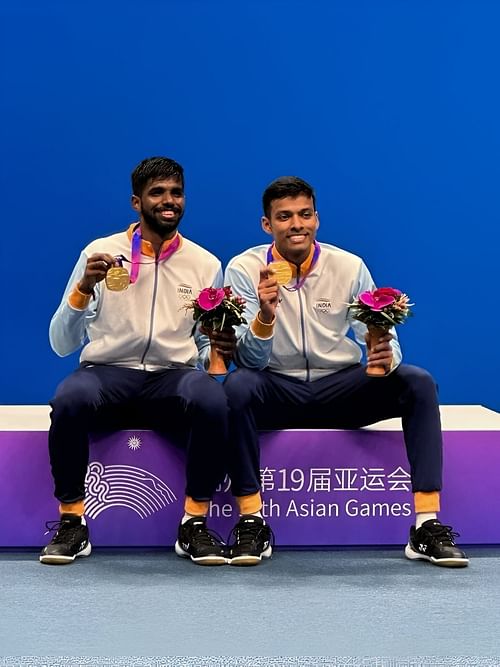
pixel 139 361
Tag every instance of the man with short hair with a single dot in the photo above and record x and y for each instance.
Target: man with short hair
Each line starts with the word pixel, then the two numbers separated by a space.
pixel 139 360
pixel 299 369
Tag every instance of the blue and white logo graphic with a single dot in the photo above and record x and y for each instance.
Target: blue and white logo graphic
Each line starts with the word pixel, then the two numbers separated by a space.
pixel 125 486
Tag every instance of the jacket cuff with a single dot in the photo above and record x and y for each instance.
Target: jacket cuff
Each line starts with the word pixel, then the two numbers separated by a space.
pixel 78 300
pixel 261 329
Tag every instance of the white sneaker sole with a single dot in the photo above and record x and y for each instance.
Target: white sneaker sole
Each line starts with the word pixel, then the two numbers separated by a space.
pixel 201 560
pixel 251 560
pixel 442 562
pixel 65 560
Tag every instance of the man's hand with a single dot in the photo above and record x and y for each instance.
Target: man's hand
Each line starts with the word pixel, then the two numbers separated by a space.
pixel 224 341
pixel 380 353
pixel 268 291
pixel 98 265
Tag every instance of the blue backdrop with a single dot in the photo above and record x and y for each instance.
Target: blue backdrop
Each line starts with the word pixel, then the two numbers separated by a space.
pixel 389 108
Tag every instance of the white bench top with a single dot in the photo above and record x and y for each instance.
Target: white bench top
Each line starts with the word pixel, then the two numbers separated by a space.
pixel 453 418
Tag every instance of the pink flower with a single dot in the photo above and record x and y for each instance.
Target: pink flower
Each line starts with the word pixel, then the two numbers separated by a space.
pixel 387 291
pixel 376 301
pixel 210 297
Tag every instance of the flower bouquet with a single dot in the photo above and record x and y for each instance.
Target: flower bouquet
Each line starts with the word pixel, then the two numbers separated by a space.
pixel 380 310
pixel 217 309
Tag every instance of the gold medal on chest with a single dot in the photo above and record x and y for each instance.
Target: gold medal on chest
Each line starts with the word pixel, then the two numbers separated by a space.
pixel 282 271
pixel 117 278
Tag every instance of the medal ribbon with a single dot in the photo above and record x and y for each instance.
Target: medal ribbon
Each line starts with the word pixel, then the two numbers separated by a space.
pixel 136 253
pixel 314 260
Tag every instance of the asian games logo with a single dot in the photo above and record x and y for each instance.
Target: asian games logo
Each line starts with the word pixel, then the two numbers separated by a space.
pixel 128 486
pixel 134 443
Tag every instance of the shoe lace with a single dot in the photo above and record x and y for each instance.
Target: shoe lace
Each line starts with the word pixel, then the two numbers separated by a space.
pixel 206 537
pixel 443 534
pixel 64 531
pixel 247 533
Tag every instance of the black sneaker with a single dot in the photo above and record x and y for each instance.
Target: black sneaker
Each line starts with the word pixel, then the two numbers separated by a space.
pixel 71 540
pixel 203 546
pixel 252 541
pixel 435 543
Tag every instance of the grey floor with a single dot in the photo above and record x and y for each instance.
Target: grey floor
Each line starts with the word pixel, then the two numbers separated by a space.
pixel 301 604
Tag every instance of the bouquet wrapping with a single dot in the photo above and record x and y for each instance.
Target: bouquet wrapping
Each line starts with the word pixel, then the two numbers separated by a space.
pixel 380 310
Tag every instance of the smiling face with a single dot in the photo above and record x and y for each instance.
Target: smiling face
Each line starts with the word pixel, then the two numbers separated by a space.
pixel 161 206
pixel 293 223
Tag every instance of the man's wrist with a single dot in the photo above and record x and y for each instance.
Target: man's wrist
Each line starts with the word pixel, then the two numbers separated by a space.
pixel 84 289
pixel 262 329
pixel 265 319
pixel 78 299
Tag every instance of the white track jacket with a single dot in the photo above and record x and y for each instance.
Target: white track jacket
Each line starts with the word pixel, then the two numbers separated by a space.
pixel 145 326
pixel 310 337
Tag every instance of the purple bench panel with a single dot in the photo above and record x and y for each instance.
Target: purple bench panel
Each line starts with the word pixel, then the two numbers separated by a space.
pixel 320 488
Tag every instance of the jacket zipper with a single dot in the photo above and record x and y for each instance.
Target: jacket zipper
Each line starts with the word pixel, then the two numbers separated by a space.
pixel 152 316
pixel 303 329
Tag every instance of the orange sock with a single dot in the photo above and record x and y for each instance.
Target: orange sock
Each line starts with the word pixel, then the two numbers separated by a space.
pixel 196 507
pixel 426 501
pixel 249 504
pixel 77 508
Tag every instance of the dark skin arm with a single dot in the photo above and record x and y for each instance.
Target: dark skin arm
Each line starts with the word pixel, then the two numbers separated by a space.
pixel 268 291
pixel 225 341
pixel 380 353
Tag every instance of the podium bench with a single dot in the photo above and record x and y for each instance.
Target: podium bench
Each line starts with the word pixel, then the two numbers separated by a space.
pixel 320 487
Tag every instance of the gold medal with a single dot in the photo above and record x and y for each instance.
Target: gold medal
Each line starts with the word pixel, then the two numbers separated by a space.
pixel 117 279
pixel 282 271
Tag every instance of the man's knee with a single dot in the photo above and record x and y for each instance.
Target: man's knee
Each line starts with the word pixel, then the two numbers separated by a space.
pixel 204 394
pixel 74 396
pixel 241 387
pixel 418 381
